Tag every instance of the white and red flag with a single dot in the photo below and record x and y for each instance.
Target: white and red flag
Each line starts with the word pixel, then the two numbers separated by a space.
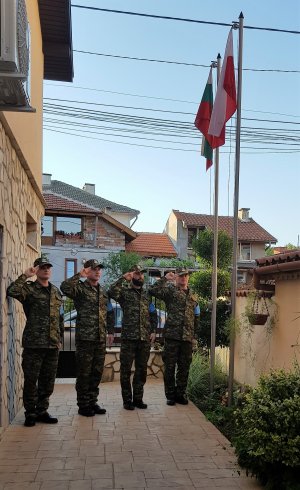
pixel 225 103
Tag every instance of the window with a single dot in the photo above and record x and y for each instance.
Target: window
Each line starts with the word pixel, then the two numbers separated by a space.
pixel 47 226
pixel 241 277
pixel 192 233
pixel 68 225
pixel 245 251
pixel 70 267
pixel 31 232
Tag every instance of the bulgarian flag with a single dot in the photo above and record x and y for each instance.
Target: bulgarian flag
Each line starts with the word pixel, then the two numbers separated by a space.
pixel 203 119
pixel 225 102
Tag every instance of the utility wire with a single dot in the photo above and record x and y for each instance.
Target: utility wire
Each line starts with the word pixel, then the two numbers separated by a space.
pixel 135 58
pixel 156 110
pixel 152 97
pixel 181 19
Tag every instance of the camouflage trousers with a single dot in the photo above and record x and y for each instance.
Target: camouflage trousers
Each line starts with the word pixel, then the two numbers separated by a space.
pixel 176 354
pixel 90 358
pixel 39 368
pixel 137 351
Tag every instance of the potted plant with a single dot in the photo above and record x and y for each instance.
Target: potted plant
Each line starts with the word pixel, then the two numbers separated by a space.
pixel 257 311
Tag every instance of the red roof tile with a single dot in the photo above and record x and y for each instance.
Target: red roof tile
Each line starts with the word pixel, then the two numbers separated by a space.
pixel 291 256
pixel 58 203
pixel 249 231
pixel 152 245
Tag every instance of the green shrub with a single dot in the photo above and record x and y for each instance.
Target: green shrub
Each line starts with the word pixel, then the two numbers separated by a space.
pixel 203 333
pixel 200 282
pixel 267 437
pixel 199 392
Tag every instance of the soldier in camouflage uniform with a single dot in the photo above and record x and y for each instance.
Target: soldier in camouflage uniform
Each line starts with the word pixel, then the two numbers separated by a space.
pixel 42 337
pixel 95 318
pixel 183 315
pixel 138 330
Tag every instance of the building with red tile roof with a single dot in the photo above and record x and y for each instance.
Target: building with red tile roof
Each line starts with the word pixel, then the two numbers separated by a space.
pixel 152 245
pixel 182 227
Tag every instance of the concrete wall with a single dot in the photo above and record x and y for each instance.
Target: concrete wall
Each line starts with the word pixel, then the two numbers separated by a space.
pixel 263 348
pixel 123 218
pixel 178 235
pixel 257 250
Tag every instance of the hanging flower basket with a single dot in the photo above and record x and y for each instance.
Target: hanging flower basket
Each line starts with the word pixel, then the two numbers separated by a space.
pixel 258 318
pixel 254 317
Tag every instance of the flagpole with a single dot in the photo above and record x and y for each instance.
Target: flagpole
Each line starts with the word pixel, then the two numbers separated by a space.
pixel 239 26
pixel 214 287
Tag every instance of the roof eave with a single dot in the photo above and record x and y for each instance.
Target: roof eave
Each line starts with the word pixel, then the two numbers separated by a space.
pixel 56 28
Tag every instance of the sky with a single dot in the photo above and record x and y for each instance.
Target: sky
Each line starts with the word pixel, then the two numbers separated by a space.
pixel 142 173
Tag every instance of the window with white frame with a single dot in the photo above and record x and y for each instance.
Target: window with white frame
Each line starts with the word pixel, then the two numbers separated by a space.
pixel 245 251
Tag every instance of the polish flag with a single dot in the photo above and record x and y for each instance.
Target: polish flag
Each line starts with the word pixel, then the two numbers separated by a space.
pixel 225 103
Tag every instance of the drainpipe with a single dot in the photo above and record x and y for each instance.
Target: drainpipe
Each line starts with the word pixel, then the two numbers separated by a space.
pixel 96 227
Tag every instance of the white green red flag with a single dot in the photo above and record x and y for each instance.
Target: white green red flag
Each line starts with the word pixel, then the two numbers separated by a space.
pixel 225 103
pixel 203 119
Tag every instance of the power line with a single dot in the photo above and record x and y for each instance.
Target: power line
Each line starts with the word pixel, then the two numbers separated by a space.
pixel 155 98
pixel 152 146
pixel 155 110
pixel 181 19
pixel 135 58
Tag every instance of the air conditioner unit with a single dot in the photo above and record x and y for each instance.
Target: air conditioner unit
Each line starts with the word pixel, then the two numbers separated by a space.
pixel 14 56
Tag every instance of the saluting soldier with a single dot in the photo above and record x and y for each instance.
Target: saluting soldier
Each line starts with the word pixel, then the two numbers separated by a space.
pixel 94 325
pixel 42 337
pixel 183 318
pixel 138 331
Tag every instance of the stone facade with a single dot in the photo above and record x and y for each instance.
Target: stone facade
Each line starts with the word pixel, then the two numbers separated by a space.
pixel 20 214
pixel 112 365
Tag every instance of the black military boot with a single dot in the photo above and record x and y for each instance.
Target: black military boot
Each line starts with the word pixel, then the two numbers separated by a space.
pixel 170 402
pixel 86 412
pixel 30 421
pixel 139 404
pixel 128 405
pixel 98 410
pixel 181 399
pixel 46 418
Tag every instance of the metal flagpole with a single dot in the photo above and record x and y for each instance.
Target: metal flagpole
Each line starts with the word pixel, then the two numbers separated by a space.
pixel 239 26
pixel 215 256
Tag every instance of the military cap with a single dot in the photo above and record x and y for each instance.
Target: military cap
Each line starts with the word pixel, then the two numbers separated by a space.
pixel 93 263
pixel 41 261
pixel 137 268
pixel 181 271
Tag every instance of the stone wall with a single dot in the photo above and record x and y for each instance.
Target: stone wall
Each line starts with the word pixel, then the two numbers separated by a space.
pixel 112 365
pixel 20 214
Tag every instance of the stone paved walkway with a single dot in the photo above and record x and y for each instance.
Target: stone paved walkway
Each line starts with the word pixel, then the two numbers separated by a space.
pixel 144 449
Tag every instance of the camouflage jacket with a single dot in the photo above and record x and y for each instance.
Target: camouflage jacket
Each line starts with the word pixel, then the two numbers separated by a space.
pixel 139 314
pixel 182 309
pixel 95 315
pixel 44 313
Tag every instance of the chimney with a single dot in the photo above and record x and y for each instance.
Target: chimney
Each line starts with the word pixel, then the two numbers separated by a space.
pixel 46 179
pixel 90 188
pixel 244 214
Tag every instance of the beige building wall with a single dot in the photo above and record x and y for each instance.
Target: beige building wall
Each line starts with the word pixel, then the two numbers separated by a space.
pixel 27 128
pixel 21 208
pixel 257 250
pixel 261 348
